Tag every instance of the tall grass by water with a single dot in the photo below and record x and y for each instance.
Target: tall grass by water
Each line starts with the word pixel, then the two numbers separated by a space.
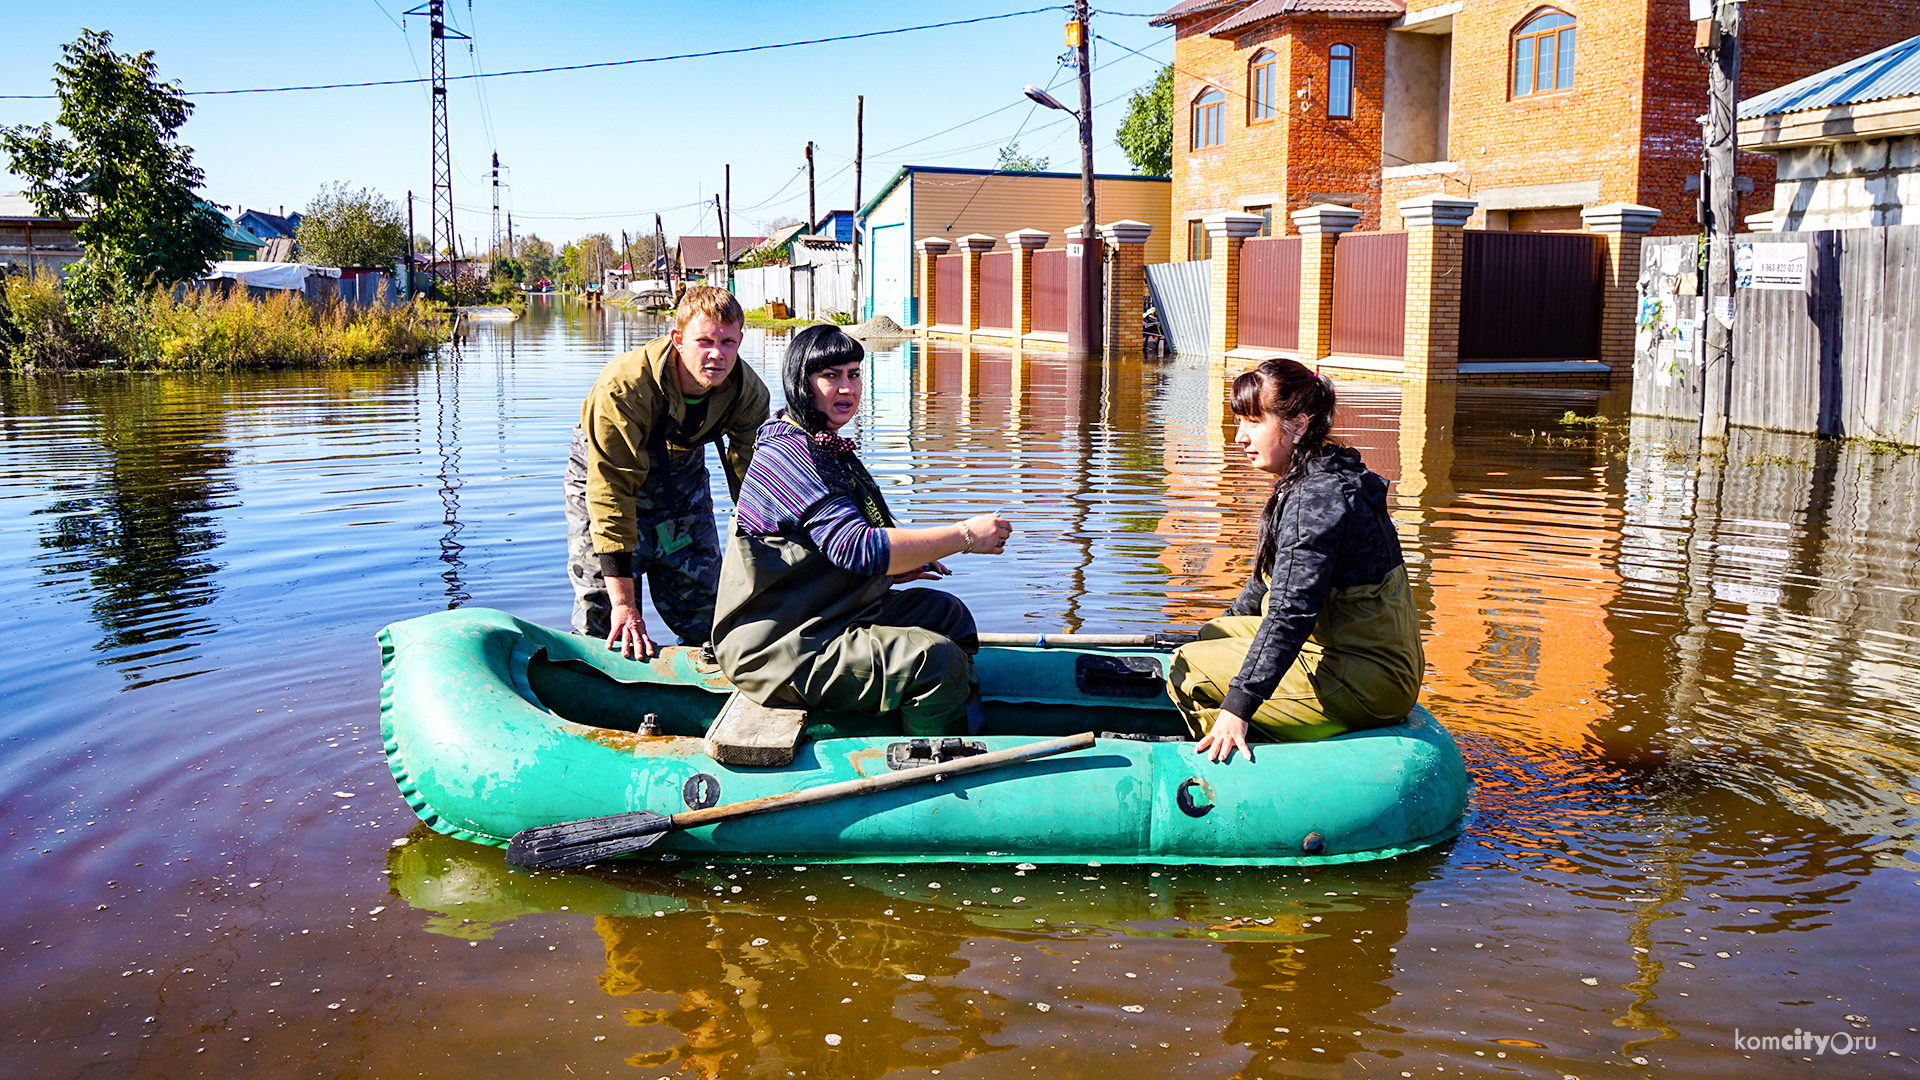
pixel 205 330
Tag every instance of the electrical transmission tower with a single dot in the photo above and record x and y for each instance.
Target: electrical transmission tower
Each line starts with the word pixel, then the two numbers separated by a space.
pixel 493 248
pixel 441 239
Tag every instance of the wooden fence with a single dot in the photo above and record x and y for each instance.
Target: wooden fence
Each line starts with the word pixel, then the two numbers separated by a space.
pixel 1270 292
pixel 1839 356
pixel 1370 294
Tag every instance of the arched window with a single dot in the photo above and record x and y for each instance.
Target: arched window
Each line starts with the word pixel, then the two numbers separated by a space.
pixel 1260 87
pixel 1543 54
pixel 1208 130
pixel 1340 81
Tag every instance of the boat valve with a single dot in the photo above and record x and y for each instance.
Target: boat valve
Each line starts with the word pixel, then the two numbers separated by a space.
pixel 1313 843
pixel 649 725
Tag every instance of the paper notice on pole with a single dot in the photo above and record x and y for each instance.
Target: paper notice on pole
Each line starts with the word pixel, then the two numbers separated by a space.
pixel 1770 266
pixel 1723 310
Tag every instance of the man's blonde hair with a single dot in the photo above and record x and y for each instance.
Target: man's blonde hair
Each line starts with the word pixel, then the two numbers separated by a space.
pixel 716 304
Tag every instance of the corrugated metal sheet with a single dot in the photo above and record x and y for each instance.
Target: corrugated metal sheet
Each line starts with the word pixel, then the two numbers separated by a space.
pixel 1180 297
pixel 1370 294
pixel 996 290
pixel 1529 296
pixel 1890 73
pixel 1270 292
pixel 1050 281
pixel 950 276
pixel 958 204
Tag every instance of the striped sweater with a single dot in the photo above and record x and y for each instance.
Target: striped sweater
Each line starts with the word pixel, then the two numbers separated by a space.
pixel 784 494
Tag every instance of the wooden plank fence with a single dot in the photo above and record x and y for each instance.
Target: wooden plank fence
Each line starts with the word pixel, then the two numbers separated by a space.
pixel 1840 357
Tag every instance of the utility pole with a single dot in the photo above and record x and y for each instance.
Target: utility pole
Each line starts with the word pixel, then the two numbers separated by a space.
pixel 811 213
pixel 410 289
pixel 442 237
pixel 1080 36
pixel 493 243
pixel 1719 38
pixel 859 155
pixel 726 223
pixel 510 253
pixel 725 243
pixel 666 262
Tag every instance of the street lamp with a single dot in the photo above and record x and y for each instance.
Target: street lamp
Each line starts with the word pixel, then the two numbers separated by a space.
pixel 1042 98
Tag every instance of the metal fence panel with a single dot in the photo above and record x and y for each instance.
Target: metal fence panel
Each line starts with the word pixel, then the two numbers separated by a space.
pixel 1529 296
pixel 949 278
pixel 1370 294
pixel 1180 293
pixel 1270 292
pixel 996 289
pixel 1050 282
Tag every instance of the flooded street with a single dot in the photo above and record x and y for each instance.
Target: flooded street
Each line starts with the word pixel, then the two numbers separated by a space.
pixel 1686 693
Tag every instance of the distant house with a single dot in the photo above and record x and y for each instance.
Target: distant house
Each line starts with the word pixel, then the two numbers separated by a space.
pixel 242 245
pixel 696 254
pixel 836 225
pixel 922 201
pixel 31 242
pixel 1847 142
pixel 268 226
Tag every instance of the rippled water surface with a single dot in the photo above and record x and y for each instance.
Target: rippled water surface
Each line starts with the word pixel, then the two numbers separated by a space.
pixel 1685 690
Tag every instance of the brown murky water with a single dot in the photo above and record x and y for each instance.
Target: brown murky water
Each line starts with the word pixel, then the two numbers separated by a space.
pixel 1685 690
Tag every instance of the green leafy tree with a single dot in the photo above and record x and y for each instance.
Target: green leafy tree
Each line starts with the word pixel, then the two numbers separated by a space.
pixel 1146 135
pixel 1012 160
pixel 343 227
pixel 536 256
pixel 122 168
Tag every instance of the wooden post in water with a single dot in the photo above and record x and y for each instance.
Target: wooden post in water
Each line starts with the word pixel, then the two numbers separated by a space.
pixel 1722 38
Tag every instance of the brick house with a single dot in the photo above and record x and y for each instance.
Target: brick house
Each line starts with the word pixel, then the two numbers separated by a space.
pixel 1533 110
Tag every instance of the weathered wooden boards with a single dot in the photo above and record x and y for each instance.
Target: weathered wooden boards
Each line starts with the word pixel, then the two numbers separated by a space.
pixel 748 734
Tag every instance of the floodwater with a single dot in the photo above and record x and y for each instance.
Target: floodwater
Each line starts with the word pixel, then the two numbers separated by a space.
pixel 1686 693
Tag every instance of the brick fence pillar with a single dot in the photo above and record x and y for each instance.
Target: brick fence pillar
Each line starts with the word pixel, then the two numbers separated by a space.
pixel 972 246
pixel 1126 284
pixel 1623 225
pixel 1435 252
pixel 1320 228
pixel 1225 233
pixel 1023 244
pixel 930 250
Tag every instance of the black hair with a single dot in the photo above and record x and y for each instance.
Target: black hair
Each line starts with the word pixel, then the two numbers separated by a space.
pixel 812 351
pixel 1287 389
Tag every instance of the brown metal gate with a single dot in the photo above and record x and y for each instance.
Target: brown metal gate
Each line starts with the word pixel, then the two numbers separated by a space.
pixel 1270 292
pixel 1530 296
pixel 1050 291
pixel 1370 295
pixel 996 289
pixel 949 277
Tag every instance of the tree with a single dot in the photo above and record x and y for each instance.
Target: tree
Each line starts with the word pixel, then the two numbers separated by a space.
pixel 1146 135
pixel 536 256
pixel 342 227
pixel 122 169
pixel 1012 160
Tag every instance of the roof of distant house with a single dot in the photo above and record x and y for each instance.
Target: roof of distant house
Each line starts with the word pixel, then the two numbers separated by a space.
pixel 282 226
pixel 1891 72
pixel 1260 10
pixel 701 250
pixel 17 207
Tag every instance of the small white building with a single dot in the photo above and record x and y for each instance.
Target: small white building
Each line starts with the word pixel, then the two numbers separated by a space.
pixel 31 242
pixel 1847 140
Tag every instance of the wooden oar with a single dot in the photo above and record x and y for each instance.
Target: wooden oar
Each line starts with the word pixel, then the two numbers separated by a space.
pixel 577 843
pixel 1162 640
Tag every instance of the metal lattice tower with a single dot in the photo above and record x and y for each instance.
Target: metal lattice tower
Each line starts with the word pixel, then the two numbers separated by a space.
pixel 441 237
pixel 493 246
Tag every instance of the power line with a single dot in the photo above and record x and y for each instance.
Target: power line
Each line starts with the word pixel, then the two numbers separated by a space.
pixel 588 67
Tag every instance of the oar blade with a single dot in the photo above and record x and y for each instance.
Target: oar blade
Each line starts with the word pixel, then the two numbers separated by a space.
pixel 577 843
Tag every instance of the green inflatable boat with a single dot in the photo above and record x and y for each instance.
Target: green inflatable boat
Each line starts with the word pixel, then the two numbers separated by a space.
pixel 493 725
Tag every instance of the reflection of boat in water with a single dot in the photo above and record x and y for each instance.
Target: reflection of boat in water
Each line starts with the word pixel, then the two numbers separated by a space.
pixel 493 725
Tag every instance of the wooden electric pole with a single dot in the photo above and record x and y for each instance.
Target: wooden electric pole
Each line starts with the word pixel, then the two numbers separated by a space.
pixel 811 218
pixel 1721 38
pixel 859 154
pixel 1080 36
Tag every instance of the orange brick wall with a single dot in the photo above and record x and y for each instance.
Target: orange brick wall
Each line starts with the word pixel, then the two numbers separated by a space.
pixel 1327 155
pixel 1628 122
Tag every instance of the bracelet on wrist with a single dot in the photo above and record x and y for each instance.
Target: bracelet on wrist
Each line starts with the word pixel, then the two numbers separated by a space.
pixel 968 533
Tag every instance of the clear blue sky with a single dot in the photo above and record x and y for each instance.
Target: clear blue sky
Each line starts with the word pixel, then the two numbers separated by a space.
pixel 601 149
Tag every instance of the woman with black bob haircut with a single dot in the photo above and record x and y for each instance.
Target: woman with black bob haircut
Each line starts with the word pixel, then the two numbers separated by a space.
pixel 807 616
pixel 1324 639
